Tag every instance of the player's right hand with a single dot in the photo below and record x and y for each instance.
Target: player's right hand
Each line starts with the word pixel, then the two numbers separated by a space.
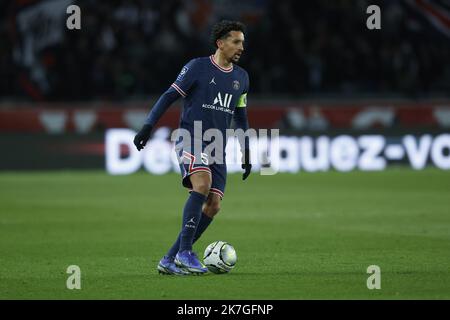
pixel 141 138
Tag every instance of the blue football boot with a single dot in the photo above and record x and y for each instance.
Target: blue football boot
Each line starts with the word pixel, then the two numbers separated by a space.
pixel 167 266
pixel 188 261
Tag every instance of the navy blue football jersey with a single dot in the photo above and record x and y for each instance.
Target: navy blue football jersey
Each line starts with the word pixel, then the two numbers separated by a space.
pixel 211 93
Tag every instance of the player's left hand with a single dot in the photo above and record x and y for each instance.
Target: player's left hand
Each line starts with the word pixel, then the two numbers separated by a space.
pixel 246 165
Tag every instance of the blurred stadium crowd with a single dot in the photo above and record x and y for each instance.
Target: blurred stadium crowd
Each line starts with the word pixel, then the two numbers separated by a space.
pixel 131 49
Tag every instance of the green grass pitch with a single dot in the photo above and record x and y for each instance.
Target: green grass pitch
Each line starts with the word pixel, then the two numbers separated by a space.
pixel 304 236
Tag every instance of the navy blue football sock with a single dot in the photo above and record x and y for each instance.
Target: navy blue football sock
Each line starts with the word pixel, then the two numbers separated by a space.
pixel 191 218
pixel 176 246
pixel 204 223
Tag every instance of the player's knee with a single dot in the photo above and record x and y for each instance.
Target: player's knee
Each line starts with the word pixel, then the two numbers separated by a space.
pixel 201 182
pixel 202 187
pixel 211 209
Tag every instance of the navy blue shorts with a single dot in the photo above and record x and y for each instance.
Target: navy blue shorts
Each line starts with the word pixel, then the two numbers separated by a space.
pixel 189 165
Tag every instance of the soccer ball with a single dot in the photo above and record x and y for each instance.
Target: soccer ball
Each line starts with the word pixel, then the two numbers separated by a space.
pixel 220 257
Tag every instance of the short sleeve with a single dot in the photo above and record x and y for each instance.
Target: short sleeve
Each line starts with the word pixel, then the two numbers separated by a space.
pixel 186 78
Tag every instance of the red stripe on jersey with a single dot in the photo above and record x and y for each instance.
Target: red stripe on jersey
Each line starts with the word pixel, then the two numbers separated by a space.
pixel 179 90
pixel 221 69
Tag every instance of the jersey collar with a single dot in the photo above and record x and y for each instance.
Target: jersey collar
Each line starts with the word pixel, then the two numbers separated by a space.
pixel 211 57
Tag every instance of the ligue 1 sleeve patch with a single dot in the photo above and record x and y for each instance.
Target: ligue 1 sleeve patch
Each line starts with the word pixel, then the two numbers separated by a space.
pixel 182 73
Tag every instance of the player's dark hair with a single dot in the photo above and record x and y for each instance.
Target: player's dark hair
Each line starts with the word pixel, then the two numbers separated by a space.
pixel 221 30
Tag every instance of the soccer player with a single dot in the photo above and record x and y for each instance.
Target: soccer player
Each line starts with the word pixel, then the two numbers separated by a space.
pixel 215 90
